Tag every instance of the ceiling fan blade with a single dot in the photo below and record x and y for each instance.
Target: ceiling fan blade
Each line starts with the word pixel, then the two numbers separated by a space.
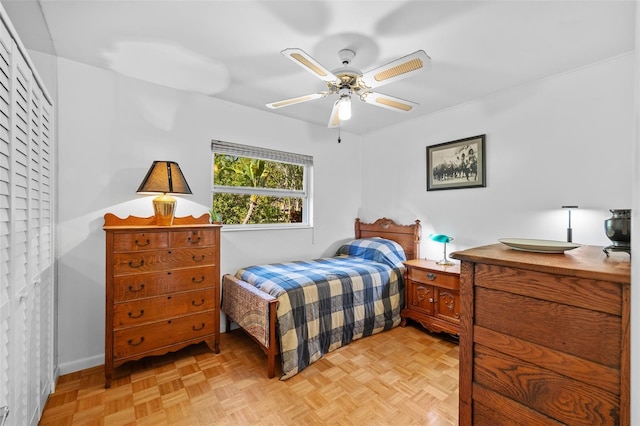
pixel 334 119
pixel 301 58
pixel 388 102
pixel 397 70
pixel 292 101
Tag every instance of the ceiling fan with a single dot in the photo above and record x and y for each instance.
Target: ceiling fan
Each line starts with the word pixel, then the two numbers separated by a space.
pixel 346 82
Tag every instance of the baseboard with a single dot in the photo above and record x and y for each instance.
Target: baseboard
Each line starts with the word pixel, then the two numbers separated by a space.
pixel 80 364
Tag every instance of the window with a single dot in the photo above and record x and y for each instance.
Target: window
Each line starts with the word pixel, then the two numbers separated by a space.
pixel 257 186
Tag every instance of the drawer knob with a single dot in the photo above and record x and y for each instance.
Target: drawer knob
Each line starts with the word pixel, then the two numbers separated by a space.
pixel 431 276
pixel 196 281
pixel 144 244
pixel 132 343
pixel 131 315
pixel 194 328
pixel 194 303
pixel 195 259
pixel 136 290
pixel 194 241
pixel 136 265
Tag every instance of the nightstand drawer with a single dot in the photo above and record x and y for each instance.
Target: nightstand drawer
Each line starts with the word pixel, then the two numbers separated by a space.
pixel 436 278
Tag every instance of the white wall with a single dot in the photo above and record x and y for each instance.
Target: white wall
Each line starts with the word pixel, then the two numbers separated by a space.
pixel 565 140
pixel 110 129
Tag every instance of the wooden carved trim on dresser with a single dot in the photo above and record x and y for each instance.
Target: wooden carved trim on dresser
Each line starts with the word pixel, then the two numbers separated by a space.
pixel 162 289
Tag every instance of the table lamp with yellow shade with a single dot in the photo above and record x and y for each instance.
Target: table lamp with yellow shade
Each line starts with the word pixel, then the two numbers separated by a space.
pixel 164 177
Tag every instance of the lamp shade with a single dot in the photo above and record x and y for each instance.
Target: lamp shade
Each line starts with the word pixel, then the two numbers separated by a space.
pixel 165 177
pixel 440 238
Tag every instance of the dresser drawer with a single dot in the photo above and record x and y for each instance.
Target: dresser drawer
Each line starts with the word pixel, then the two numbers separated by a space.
pixel 434 278
pixel 130 287
pixel 588 334
pixel 193 238
pixel 148 337
pixel 135 241
pixel 160 260
pixel 156 308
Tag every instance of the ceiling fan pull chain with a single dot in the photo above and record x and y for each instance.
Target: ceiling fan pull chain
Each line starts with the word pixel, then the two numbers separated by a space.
pixel 339 140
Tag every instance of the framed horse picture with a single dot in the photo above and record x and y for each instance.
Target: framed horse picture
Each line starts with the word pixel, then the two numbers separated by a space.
pixel 457 164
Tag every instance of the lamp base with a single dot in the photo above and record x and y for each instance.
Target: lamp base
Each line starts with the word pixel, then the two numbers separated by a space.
pixel 164 207
pixel 445 261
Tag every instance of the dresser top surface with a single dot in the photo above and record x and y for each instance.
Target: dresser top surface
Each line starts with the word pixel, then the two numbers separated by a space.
pixel 157 227
pixel 585 261
pixel 113 222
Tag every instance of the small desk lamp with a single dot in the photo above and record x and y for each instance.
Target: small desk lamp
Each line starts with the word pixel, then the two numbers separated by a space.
pixel 569 230
pixel 441 238
pixel 167 178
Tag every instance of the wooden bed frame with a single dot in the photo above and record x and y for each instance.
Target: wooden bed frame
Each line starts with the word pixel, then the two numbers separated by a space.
pixel 255 311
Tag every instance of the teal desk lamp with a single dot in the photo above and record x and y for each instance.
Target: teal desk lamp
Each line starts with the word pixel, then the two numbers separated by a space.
pixel 441 238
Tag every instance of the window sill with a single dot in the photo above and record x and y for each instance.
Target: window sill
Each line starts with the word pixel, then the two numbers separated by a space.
pixel 270 227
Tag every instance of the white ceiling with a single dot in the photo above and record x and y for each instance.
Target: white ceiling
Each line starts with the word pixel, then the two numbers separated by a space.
pixel 231 49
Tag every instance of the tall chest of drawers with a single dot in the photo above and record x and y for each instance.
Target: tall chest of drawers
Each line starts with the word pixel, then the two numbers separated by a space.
pixel 544 338
pixel 162 287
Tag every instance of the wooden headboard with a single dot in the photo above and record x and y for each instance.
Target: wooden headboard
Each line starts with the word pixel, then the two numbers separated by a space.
pixel 408 236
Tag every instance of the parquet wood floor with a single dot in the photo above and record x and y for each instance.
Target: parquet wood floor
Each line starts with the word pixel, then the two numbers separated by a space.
pixel 403 377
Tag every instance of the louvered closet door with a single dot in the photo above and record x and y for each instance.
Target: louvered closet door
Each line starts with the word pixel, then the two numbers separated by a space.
pixel 26 255
pixel 6 289
pixel 42 229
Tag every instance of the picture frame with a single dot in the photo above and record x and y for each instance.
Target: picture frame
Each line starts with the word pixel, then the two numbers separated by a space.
pixel 457 164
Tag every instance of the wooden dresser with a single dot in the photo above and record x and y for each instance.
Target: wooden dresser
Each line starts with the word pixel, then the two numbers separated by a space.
pixel 432 295
pixel 544 338
pixel 162 287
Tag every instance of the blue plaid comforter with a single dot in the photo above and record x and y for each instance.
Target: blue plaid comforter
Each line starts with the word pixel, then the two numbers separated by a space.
pixel 327 303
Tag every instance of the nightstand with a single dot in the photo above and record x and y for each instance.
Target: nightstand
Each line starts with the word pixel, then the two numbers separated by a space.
pixel 432 296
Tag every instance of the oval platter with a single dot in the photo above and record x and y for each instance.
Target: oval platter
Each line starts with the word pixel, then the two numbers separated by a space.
pixel 538 246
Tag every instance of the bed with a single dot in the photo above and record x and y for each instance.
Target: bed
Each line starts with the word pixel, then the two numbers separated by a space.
pixel 302 310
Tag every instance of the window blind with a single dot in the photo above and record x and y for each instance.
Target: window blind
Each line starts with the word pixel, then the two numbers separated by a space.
pixel 238 150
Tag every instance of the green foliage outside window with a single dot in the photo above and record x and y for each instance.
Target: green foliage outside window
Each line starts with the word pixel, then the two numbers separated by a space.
pixel 236 177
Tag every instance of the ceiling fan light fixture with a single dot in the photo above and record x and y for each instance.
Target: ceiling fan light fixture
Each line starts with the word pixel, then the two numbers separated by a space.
pixel 346 81
pixel 344 107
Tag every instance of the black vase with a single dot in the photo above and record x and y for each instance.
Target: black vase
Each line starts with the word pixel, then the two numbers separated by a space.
pixel 618 230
